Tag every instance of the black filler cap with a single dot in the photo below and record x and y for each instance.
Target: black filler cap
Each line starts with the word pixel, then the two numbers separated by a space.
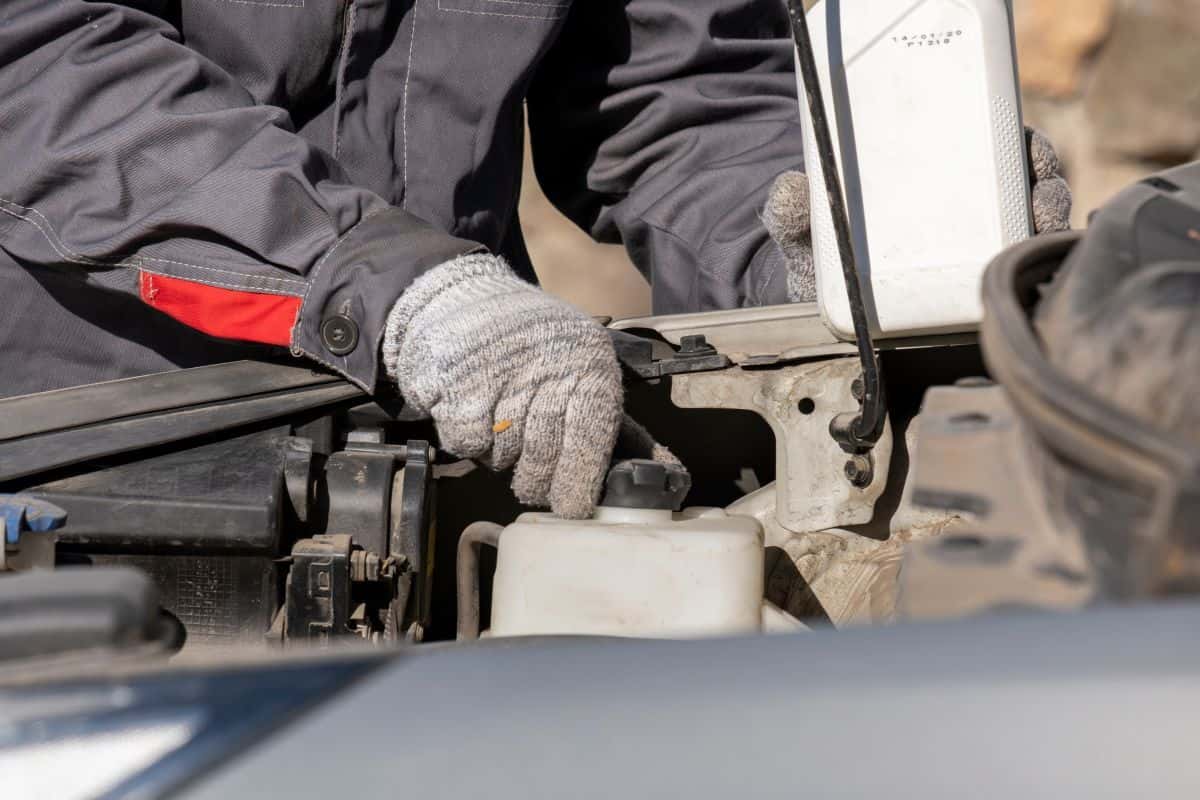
pixel 641 483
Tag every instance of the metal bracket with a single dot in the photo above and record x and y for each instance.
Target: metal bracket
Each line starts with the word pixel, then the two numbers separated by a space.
pixel 798 402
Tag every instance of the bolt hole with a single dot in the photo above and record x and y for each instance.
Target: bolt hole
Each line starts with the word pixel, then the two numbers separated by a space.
pixel 806 406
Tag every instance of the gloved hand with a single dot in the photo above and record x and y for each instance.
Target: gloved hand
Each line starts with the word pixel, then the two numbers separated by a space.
pixel 510 375
pixel 634 441
pixel 787 213
pixel 1050 193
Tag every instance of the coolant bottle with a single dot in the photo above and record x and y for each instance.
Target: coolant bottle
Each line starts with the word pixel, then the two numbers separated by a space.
pixel 636 569
pixel 923 106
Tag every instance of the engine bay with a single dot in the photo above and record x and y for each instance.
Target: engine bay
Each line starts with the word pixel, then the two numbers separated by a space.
pixel 272 504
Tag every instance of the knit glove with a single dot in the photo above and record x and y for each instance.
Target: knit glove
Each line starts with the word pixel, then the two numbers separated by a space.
pixel 786 214
pixel 510 375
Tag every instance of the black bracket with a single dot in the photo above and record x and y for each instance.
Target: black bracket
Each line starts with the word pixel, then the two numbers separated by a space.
pixel 412 536
pixel 318 589
pixel 695 354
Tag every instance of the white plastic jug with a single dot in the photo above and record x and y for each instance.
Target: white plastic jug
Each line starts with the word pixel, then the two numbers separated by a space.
pixel 629 572
pixel 924 109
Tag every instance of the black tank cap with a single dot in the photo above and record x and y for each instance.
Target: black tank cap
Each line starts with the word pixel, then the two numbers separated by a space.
pixel 641 483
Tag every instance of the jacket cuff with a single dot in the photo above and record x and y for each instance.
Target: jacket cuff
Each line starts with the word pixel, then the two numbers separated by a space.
pixel 353 287
pixel 767 281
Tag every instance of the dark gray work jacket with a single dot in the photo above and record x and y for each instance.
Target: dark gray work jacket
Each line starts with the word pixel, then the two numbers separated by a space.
pixel 191 181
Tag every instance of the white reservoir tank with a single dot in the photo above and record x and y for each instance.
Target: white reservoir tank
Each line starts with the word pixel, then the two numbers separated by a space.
pixel 924 109
pixel 634 569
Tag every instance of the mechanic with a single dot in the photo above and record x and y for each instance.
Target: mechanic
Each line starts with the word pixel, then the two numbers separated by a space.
pixel 190 182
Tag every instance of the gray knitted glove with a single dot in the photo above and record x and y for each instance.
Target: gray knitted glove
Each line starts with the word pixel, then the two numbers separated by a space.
pixel 786 214
pixel 634 441
pixel 1051 195
pixel 510 375
pixel 787 218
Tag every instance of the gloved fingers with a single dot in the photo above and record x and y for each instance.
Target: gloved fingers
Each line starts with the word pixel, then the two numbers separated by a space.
pixel 542 441
pixel 634 441
pixel 508 429
pixel 593 419
pixel 464 427
pixel 787 214
pixel 802 277
pixel 1043 158
pixel 1051 205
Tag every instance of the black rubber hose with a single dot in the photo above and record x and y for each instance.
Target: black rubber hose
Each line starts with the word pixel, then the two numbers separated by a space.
pixel 862 430
pixel 473 537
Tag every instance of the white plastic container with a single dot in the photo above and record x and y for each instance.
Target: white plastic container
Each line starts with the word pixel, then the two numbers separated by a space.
pixel 923 105
pixel 629 572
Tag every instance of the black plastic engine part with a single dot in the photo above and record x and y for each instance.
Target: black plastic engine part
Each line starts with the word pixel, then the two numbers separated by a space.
pixel 218 599
pixel 357 489
pixel 210 524
pixel 39 433
pixel 412 536
pixel 205 523
pixel 224 497
pixel 96 403
pixel 640 483
pixel 206 487
pixel 695 354
pixel 317 604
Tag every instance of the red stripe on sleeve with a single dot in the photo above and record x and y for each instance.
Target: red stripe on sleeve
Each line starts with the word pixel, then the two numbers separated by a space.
pixel 225 313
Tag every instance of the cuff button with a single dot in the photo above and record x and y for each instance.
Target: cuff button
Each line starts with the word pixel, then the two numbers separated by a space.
pixel 339 334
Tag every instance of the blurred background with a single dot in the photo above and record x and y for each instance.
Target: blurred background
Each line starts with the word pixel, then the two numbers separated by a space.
pixel 1115 84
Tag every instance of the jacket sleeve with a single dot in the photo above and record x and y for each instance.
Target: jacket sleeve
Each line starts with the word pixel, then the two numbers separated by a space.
pixel 123 150
pixel 666 135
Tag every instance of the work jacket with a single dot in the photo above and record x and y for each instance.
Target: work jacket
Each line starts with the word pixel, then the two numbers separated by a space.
pixel 192 181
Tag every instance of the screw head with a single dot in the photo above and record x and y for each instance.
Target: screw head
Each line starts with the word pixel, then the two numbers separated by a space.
pixel 694 345
pixel 859 471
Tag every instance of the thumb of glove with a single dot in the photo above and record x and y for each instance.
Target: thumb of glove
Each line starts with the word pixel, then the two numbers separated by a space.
pixel 634 441
pixel 787 218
